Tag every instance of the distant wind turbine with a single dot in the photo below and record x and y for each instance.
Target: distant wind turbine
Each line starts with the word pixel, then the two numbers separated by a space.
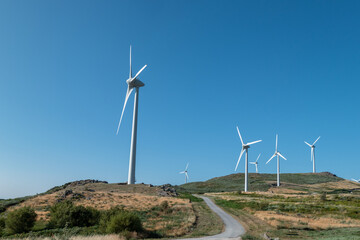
pixel 132 82
pixel 278 154
pixel 313 153
pixel 186 173
pixel 245 147
pixel 256 163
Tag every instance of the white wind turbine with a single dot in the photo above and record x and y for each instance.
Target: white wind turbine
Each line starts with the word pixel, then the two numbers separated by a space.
pixel 132 82
pixel 358 181
pixel 313 153
pixel 186 173
pixel 245 147
pixel 256 163
pixel 278 154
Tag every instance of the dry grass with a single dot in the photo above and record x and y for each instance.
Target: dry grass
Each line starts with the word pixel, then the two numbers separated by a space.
pixel 291 219
pixel 102 200
pixel 308 221
pixel 177 221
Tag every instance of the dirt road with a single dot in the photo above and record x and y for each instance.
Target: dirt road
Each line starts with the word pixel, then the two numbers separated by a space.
pixel 233 229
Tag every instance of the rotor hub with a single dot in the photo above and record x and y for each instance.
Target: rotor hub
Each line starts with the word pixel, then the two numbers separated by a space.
pixel 135 83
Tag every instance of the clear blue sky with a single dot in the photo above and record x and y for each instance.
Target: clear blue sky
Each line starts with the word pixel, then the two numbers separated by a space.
pixel 287 67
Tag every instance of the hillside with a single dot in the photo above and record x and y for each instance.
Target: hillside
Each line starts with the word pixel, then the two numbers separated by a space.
pixel 301 182
pixel 161 211
pixel 305 206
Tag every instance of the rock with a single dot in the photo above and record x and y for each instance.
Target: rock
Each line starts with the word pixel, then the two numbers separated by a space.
pixel 83 182
pixel 266 237
pixel 67 193
pixel 167 190
pixel 77 196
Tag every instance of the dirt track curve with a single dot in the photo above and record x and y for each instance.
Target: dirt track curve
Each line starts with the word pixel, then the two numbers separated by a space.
pixel 233 229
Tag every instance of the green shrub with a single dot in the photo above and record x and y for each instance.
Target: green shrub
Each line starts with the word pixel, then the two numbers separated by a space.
pixel 164 205
pixel 67 214
pixel 21 220
pixel 117 220
pixel 124 221
pixel 2 225
pixel 106 215
pixel 191 197
pixel 323 196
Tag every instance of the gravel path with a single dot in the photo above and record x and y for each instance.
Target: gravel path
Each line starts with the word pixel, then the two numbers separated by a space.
pixel 233 229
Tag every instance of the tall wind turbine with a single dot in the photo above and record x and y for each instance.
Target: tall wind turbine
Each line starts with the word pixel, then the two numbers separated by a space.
pixel 245 147
pixel 278 154
pixel 186 173
pixel 133 83
pixel 256 163
pixel 313 153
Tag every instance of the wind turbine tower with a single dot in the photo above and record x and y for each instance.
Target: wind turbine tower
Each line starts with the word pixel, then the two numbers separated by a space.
pixel 256 163
pixel 313 153
pixel 133 83
pixel 245 148
pixel 186 173
pixel 278 154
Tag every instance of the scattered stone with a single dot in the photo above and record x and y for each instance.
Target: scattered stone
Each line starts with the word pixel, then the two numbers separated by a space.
pixel 167 190
pixel 67 193
pixel 77 196
pixel 84 182
pixel 266 237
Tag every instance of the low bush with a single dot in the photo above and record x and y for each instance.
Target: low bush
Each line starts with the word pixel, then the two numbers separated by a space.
pixel 117 220
pixel 2 225
pixel 67 214
pixel 124 221
pixel 20 220
pixel 191 197
pixel 259 206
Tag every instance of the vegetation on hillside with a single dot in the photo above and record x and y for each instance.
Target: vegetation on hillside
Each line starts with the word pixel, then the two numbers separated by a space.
pixel 87 208
pixel 294 216
pixel 258 182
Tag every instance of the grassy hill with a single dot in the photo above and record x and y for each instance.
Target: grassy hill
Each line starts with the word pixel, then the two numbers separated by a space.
pixel 305 182
pixel 162 212
pixel 305 206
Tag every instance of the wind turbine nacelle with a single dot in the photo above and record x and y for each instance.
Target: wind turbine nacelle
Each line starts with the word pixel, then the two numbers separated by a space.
pixel 135 83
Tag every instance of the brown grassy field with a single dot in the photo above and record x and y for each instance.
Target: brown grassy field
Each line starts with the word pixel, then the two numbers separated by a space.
pixel 142 198
pixel 294 214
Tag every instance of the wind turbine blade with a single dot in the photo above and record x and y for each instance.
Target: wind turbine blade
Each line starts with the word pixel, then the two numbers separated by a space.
pixel 187 176
pixel 316 140
pixel 130 73
pixel 276 143
pixel 187 165
pixel 239 136
pixel 252 162
pixel 182 172
pixel 270 159
pixel 140 71
pixel 122 113
pixel 253 142
pixel 258 157
pixel 282 156
pixel 307 144
pixel 354 180
pixel 242 151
